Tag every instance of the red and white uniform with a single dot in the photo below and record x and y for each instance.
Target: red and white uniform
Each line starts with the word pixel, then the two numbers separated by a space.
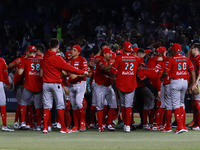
pixel 3 79
pixel 125 67
pixel 52 68
pixel 104 91
pixel 178 68
pixel 31 66
pixel 78 63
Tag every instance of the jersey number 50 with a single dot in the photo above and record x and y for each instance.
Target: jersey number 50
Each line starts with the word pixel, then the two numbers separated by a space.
pixel 35 67
pixel 129 66
pixel 182 66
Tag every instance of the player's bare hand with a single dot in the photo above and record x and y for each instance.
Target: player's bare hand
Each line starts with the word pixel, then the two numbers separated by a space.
pixel 86 73
pixel 159 94
pixel 73 76
pixel 194 87
pixel 19 60
pixel 66 90
pixel 7 87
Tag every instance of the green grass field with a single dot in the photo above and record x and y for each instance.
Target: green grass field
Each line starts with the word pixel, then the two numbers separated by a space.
pixel 92 139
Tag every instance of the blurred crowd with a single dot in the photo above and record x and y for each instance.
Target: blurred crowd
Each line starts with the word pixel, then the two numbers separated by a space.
pixel 146 24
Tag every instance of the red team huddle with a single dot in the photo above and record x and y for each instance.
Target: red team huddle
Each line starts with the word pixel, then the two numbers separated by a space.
pixel 163 79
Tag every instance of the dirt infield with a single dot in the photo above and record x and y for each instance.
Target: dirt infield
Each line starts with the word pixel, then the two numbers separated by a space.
pixel 11 116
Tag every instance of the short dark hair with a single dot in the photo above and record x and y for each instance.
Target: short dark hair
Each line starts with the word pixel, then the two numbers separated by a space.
pixel 95 49
pixel 103 44
pixel 197 45
pixel 54 43
pixel 140 50
pixel 40 47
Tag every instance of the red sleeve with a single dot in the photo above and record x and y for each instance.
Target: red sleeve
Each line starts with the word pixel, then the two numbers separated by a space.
pixel 159 81
pixel 84 65
pixel 168 65
pixel 62 65
pixel 5 73
pixel 191 67
pixel 114 68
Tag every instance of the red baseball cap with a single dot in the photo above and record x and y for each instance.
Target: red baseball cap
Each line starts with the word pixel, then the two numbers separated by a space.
pixel 67 54
pixel 31 48
pixel 147 51
pixel 161 49
pixel 107 50
pixel 77 47
pixel 119 52
pixel 113 55
pixel 176 47
pixel 127 46
pixel 135 49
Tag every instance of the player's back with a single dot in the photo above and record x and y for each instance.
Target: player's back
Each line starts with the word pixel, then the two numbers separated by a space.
pixel 180 65
pixel 126 66
pixel 31 66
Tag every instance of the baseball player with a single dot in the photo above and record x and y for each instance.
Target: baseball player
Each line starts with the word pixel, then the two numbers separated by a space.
pixel 77 87
pixel 104 90
pixel 51 70
pixel 32 86
pixel 18 87
pixel 4 79
pixel 178 68
pixel 166 95
pixel 92 63
pixel 125 67
pixel 196 53
pixel 139 97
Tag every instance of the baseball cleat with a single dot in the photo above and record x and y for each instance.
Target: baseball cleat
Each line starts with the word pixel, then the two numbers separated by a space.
pixel 49 128
pixel 58 126
pixel 16 125
pixel 101 129
pixel 145 126
pixel 110 127
pixel 22 125
pixel 178 131
pixel 190 124
pixel 28 127
pixel 37 128
pixel 92 126
pixel 195 127
pixel 75 129
pixel 128 129
pixel 166 129
pixel 7 128
pixel 45 130
pixel 68 130
pixel 82 127
pixel 185 129
pixel 104 126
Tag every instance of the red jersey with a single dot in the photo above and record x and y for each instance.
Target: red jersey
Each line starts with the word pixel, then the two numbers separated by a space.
pixel 152 62
pixel 79 63
pixel 18 79
pixel 103 77
pixel 94 59
pixel 4 72
pixel 125 67
pixel 197 64
pixel 31 66
pixel 142 64
pixel 179 66
pixel 52 68
pixel 150 73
